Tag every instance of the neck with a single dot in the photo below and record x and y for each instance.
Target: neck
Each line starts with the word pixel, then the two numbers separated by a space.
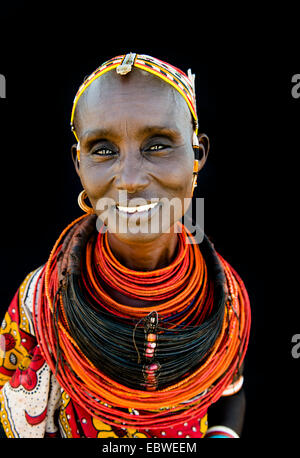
pixel 146 256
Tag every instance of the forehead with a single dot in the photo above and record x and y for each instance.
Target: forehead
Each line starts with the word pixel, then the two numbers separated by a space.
pixel 138 97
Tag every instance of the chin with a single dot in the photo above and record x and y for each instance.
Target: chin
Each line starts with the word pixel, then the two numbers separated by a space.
pixel 135 238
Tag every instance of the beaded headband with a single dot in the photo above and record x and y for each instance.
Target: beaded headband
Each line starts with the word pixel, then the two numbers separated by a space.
pixel 183 83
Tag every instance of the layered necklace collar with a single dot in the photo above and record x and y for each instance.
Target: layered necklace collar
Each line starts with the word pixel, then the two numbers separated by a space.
pixel 180 351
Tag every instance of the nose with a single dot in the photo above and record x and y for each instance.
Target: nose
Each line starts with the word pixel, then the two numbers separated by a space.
pixel 131 177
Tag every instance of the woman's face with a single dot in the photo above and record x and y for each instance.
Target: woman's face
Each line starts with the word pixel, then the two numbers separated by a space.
pixel 135 137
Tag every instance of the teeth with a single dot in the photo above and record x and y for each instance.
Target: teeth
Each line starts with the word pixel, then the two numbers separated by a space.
pixel 140 208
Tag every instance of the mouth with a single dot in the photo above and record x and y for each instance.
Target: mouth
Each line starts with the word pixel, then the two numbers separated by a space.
pixel 138 217
pixel 137 209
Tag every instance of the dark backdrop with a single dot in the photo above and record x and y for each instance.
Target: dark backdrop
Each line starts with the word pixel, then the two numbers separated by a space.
pixel 249 182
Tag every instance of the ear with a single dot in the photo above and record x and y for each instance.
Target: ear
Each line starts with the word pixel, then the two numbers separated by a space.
pixel 75 158
pixel 204 146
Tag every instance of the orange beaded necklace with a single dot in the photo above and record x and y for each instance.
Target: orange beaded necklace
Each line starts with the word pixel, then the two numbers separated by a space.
pixel 102 395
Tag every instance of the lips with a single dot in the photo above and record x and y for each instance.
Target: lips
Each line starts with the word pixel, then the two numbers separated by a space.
pixel 136 209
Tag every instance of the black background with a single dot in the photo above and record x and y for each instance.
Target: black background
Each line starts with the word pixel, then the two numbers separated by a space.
pixel 243 82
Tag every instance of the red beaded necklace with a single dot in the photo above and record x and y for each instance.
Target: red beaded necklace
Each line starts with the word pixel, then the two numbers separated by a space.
pixel 172 288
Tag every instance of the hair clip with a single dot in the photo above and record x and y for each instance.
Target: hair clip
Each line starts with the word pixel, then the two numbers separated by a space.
pixel 126 66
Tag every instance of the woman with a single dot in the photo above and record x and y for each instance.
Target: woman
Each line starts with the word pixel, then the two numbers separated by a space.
pixel 131 328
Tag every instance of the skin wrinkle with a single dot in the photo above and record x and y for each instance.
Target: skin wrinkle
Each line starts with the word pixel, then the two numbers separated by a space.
pixel 126 107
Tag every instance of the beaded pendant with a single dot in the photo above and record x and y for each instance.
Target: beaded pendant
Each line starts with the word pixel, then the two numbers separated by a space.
pixel 151 367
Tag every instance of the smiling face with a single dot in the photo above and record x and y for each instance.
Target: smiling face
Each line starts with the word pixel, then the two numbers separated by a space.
pixel 135 137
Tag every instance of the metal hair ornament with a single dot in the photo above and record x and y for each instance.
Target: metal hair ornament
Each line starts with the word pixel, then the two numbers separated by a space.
pixel 126 65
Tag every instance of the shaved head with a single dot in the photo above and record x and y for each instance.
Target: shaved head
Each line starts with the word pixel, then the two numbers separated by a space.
pixel 111 83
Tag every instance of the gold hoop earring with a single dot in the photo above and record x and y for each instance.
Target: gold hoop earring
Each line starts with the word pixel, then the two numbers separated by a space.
pixel 82 196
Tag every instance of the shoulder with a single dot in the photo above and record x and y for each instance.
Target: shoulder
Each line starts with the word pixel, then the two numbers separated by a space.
pixel 21 308
pixel 17 332
pixel 28 286
pixel 27 294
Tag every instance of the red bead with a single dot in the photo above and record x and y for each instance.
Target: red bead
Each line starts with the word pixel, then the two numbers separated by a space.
pixel 150 387
pixel 148 371
pixel 150 351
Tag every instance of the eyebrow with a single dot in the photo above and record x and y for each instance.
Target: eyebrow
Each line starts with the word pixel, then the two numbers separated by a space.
pixel 92 134
pixel 161 130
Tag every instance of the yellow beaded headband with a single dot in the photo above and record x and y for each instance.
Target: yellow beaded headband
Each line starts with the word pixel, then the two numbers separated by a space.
pixel 183 83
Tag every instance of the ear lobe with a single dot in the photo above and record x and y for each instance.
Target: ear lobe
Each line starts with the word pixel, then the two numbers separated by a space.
pixel 75 157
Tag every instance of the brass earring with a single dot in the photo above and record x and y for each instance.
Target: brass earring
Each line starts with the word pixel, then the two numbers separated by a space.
pixel 82 196
pixel 78 151
pixel 198 156
pixel 195 173
pixel 195 176
pixel 196 149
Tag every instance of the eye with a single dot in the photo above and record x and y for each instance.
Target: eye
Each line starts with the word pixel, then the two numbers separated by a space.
pixel 102 152
pixel 156 147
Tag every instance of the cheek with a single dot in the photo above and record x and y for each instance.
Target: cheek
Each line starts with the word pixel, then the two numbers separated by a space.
pixel 179 183
pixel 179 177
pixel 94 180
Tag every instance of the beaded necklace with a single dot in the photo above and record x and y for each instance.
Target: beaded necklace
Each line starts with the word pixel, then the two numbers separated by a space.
pixel 169 360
